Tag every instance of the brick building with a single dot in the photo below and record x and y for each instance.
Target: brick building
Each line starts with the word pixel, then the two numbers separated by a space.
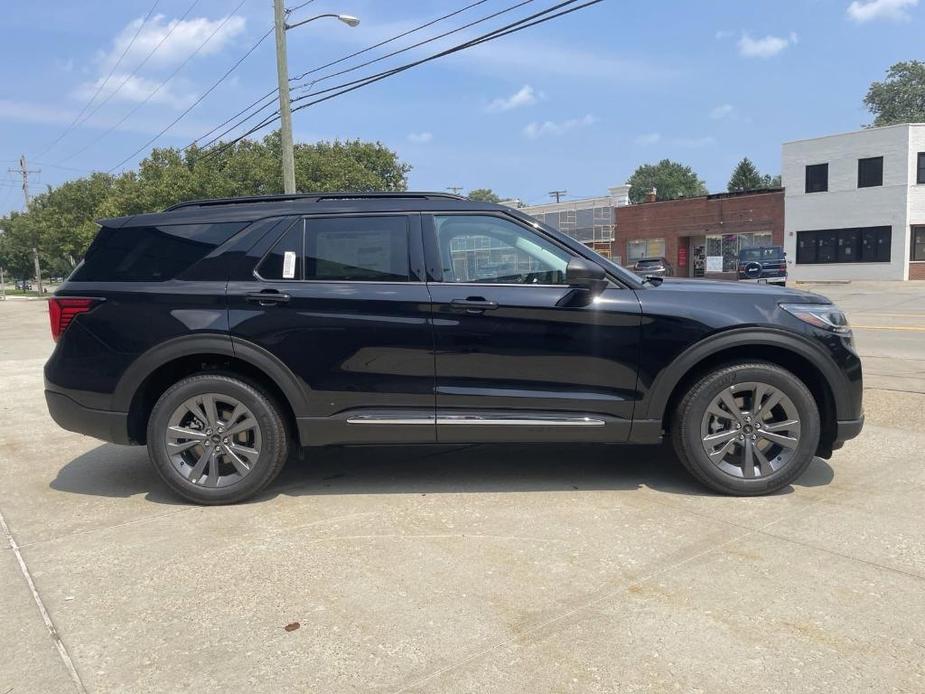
pixel 700 237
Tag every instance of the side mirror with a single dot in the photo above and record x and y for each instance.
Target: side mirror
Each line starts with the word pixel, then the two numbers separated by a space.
pixel 583 274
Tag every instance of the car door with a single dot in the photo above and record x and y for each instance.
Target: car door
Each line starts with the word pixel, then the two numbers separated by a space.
pixel 519 354
pixel 341 301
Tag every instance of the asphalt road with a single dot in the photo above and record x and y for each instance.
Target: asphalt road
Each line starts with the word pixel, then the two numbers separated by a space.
pixel 487 568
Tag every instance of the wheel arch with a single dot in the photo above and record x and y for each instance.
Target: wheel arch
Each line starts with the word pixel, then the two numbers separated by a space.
pixel 793 353
pixel 156 370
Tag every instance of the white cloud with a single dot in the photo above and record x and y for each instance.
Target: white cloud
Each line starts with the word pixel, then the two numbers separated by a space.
pixel 647 139
pixel 724 34
pixel 766 46
pixel 27 112
pixel 135 89
pixel 694 142
pixel 722 111
pixel 420 138
pixel 525 96
pixel 869 10
pixel 537 129
pixel 182 38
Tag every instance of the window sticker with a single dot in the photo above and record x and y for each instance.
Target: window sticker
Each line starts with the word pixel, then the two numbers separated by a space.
pixel 288 265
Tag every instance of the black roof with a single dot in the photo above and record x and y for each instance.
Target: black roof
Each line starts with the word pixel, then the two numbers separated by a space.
pixel 246 209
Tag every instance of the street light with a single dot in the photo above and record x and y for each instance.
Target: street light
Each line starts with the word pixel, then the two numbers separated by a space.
pixel 282 74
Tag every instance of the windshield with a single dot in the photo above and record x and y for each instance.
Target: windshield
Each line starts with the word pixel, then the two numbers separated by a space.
pixel 752 254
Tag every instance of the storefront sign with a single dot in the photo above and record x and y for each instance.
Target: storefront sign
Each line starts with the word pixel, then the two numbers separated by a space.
pixel 682 256
pixel 714 263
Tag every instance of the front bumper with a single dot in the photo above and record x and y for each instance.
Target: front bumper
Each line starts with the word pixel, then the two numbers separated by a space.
pixel 846 429
pixel 100 424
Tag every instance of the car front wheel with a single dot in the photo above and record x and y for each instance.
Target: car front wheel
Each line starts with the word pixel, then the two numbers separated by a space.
pixel 215 439
pixel 747 428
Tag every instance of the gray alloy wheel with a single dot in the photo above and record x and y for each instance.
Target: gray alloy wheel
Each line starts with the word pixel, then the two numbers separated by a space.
pixel 746 428
pixel 213 440
pixel 217 438
pixel 750 429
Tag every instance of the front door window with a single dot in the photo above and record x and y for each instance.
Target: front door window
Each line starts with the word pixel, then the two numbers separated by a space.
pixel 481 249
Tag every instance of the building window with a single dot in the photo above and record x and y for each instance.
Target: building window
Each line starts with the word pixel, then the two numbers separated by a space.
pixel 856 245
pixel 920 178
pixel 817 178
pixel 644 248
pixel 870 172
pixel 918 243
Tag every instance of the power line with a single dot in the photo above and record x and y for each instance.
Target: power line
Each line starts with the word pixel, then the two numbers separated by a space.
pixel 150 96
pixel 271 94
pixel 197 101
pixel 519 25
pixel 375 60
pixel 382 43
pixel 413 46
pixel 103 83
pixel 132 74
pixel 290 10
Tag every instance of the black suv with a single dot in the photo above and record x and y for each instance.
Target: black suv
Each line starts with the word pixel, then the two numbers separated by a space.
pixel 224 333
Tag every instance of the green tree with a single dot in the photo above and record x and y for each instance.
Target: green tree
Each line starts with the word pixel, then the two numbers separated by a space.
pixel 484 195
pixel 900 98
pixel 16 246
pixel 670 179
pixel 746 176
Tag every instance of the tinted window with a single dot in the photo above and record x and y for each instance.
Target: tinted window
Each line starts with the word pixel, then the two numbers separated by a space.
pixel 362 249
pixel 864 245
pixel 870 172
pixel 150 254
pixel 918 243
pixel 484 249
pixel 284 261
pixel 817 178
pixel 920 175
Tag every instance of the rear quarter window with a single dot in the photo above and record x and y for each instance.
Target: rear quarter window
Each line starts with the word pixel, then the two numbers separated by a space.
pixel 151 253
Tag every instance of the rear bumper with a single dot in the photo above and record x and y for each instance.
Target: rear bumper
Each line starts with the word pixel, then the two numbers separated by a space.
pixel 100 424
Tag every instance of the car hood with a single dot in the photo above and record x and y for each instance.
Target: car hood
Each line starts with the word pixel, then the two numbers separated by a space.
pixel 679 284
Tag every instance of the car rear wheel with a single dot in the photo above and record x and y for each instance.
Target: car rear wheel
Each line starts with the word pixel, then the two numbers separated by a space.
pixel 215 439
pixel 747 428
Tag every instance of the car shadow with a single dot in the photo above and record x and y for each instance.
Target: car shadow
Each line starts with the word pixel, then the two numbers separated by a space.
pixel 122 471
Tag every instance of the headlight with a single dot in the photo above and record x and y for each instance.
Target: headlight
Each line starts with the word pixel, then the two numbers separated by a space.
pixel 825 316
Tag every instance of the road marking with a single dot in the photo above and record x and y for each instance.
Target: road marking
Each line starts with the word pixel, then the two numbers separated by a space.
pixel 53 632
pixel 889 327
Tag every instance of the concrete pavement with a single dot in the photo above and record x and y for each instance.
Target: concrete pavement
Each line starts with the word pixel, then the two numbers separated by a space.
pixel 489 568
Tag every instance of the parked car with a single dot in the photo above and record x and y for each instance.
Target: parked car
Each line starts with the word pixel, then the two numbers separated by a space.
pixel 763 264
pixel 656 267
pixel 24 285
pixel 224 333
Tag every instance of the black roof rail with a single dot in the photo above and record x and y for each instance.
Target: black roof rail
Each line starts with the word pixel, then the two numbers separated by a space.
pixel 316 197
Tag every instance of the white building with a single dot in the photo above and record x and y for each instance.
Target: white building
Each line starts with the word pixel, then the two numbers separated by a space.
pixel 589 220
pixel 854 206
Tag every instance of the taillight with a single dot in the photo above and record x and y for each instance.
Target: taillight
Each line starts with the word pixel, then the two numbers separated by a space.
pixel 63 309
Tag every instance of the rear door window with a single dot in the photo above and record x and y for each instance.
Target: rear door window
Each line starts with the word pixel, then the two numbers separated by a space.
pixel 357 249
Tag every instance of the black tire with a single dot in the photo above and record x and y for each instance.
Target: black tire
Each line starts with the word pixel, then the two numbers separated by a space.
pixel 274 441
pixel 686 428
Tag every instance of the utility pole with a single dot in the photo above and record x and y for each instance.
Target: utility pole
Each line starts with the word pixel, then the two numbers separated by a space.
pixel 556 193
pixel 24 171
pixel 455 190
pixel 285 107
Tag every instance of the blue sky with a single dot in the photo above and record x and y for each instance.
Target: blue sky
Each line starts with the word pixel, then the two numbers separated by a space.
pixel 574 104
